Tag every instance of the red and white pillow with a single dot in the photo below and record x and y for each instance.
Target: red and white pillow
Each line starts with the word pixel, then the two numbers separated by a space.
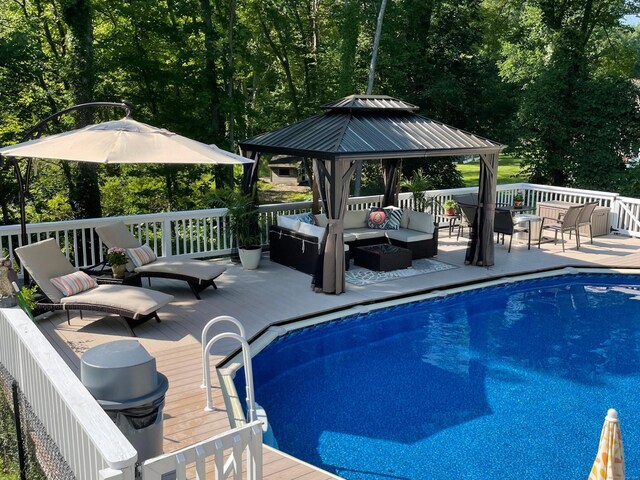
pixel 142 255
pixel 73 283
pixel 377 219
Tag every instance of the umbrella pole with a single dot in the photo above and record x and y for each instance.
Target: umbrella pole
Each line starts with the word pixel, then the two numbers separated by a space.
pixel 23 186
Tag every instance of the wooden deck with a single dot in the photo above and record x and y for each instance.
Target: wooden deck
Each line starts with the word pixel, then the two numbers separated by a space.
pixel 274 293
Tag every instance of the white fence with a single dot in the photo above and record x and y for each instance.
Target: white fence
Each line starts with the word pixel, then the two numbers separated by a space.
pixel 86 437
pixel 232 443
pixel 204 233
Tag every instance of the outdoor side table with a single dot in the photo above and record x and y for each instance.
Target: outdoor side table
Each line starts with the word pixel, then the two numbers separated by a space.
pixel 383 257
pixel 130 278
pixel 452 221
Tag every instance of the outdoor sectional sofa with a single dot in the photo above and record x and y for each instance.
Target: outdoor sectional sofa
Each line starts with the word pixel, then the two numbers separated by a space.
pixel 296 243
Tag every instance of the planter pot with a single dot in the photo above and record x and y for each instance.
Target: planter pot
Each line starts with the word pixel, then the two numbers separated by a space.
pixel 517 203
pixel 450 212
pixel 118 270
pixel 250 257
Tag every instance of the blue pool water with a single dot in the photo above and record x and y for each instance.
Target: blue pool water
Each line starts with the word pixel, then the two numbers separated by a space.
pixel 505 382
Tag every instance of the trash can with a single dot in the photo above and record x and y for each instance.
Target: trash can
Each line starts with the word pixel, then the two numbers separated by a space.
pixel 122 377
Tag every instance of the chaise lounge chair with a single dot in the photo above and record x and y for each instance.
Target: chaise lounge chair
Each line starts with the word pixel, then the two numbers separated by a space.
pixel 198 274
pixel 48 266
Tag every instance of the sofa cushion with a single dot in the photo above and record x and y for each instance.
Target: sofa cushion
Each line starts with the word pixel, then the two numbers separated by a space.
pixel 355 219
pixel 404 221
pixel 286 221
pixel 408 236
pixel 377 218
pixel 321 220
pixel 313 230
pixel 394 217
pixel 364 233
pixel 422 222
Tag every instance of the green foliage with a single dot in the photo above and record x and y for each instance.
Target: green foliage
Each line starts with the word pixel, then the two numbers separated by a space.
pixel 9 445
pixel 26 299
pixel 509 171
pixel 549 79
pixel 417 184
pixel 242 214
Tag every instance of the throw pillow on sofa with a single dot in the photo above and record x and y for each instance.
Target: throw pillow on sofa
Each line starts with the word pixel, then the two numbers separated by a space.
pixel 377 219
pixel 394 217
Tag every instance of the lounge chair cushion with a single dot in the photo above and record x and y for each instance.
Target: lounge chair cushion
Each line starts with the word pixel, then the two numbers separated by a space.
pixel 118 235
pixel 142 255
pixel 73 283
pixel 44 261
pixel 141 301
pixel 199 269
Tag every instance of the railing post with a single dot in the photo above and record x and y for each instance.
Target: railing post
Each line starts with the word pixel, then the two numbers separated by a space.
pixel 166 237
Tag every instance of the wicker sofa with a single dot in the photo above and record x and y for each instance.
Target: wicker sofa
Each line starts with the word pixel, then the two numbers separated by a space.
pixel 296 243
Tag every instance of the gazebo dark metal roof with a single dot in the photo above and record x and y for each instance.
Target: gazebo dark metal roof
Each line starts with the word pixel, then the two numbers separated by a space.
pixel 361 127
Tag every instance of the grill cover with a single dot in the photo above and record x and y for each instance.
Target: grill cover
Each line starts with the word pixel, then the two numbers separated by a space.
pixel 121 374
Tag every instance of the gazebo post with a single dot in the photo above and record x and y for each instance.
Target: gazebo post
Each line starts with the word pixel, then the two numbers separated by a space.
pixel 481 251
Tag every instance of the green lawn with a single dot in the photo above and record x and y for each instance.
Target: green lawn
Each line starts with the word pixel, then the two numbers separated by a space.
pixel 508 171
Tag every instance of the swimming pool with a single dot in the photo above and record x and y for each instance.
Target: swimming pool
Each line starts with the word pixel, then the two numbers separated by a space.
pixel 508 382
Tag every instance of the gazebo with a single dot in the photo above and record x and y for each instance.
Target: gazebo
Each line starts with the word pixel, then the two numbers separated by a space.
pixel 378 127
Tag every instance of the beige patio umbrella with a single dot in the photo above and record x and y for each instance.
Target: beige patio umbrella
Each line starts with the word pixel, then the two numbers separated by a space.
pixel 125 141
pixel 609 462
pixel 122 141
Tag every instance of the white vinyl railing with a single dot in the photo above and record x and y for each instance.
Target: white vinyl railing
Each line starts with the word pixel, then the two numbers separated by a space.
pixel 232 444
pixel 87 438
pixel 204 233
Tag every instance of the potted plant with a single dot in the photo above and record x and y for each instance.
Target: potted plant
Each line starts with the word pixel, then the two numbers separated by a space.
pixel 517 200
pixel 243 225
pixel 117 258
pixel 449 207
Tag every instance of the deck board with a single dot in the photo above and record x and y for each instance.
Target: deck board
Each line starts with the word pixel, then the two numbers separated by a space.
pixel 274 293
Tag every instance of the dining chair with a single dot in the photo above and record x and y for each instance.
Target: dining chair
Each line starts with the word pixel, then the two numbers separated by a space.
pixel 505 224
pixel 467 217
pixel 584 219
pixel 567 223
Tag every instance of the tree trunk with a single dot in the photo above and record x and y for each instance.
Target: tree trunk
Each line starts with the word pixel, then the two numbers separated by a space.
pixel 357 183
pixel 376 45
pixel 77 14
pixel 348 49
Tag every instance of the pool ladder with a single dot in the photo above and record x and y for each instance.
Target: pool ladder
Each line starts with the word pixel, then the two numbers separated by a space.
pixel 246 357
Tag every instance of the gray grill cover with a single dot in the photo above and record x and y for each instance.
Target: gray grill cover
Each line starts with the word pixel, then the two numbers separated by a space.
pixel 121 374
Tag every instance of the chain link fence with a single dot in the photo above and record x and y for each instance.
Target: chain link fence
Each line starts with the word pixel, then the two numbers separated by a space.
pixel 42 457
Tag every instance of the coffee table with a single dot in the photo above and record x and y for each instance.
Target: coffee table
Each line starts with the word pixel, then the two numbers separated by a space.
pixel 383 257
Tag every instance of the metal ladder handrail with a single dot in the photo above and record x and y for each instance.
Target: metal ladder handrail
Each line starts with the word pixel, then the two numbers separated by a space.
pixel 248 374
pixel 205 331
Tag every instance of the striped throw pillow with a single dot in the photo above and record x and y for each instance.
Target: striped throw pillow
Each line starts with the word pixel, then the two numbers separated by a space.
pixel 73 283
pixel 394 216
pixel 142 255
